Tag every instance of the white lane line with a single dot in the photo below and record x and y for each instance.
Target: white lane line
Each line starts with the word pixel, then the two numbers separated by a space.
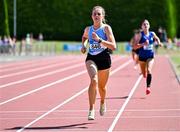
pixel 37 64
pixel 17 64
pixel 41 75
pixel 32 70
pixel 85 110
pixel 45 86
pixel 58 106
pixel 151 110
pixel 151 117
pixel 69 99
pixel 71 116
pixel 146 131
pixel 32 61
pixel 124 105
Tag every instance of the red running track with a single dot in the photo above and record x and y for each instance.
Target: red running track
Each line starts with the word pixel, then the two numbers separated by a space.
pixel 51 95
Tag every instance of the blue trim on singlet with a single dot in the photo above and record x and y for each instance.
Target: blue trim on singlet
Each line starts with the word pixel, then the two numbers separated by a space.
pixel 95 47
pixel 147 51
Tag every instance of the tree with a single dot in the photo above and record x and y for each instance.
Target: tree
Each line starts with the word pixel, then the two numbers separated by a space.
pixel 6 20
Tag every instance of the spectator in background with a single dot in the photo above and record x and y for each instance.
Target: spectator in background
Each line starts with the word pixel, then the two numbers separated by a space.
pixel 40 37
pixel 178 45
pixel 28 47
pixel 21 45
pixel 41 47
pixel 6 45
pixel 13 45
pixel 1 45
pixel 162 34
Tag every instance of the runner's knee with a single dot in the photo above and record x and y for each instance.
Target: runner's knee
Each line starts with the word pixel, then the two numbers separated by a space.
pixel 94 81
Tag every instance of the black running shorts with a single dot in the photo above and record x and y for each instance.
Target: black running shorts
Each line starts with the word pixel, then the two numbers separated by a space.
pixel 102 60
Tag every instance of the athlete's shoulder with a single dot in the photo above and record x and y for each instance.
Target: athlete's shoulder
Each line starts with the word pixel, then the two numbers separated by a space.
pixel 152 32
pixel 87 29
pixel 86 32
pixel 142 33
pixel 107 28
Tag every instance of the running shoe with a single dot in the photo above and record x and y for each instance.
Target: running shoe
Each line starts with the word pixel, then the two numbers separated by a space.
pixel 148 91
pixel 91 115
pixel 102 109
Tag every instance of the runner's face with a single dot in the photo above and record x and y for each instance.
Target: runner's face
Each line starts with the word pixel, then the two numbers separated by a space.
pixel 97 15
pixel 145 25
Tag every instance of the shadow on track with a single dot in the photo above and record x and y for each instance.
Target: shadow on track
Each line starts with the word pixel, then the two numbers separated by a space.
pixel 72 126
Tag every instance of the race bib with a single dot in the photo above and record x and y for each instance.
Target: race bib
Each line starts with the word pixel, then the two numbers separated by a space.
pixel 95 46
pixel 148 47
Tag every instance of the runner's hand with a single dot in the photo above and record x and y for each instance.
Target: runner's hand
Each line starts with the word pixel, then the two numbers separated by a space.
pixel 83 49
pixel 95 36
pixel 161 44
pixel 146 43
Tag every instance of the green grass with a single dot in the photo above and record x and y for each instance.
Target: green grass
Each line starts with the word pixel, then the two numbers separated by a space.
pixel 175 58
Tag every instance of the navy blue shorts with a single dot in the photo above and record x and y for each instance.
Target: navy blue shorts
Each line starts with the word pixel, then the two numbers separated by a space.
pixel 136 51
pixel 144 55
pixel 102 60
pixel 144 58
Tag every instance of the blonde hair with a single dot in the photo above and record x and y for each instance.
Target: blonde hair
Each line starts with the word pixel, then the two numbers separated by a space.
pixel 103 12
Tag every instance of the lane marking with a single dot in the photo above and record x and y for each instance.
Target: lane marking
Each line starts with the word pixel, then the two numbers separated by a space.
pixel 43 87
pixel 58 106
pixel 151 110
pixel 32 70
pixel 109 110
pixel 41 75
pixel 85 117
pixel 145 131
pixel 39 64
pixel 124 104
pixel 68 100
pixel 48 85
pixel 32 61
